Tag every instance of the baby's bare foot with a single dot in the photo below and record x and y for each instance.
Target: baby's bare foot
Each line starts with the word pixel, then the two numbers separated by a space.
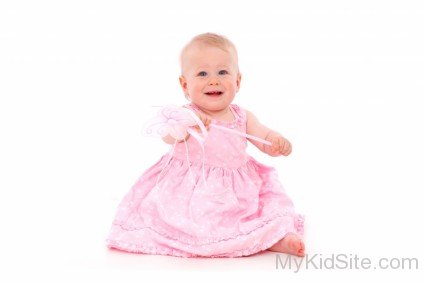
pixel 290 244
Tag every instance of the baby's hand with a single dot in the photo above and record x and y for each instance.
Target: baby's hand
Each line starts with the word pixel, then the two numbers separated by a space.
pixel 280 145
pixel 205 120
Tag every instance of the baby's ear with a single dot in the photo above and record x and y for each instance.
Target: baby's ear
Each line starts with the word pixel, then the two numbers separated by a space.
pixel 238 81
pixel 183 84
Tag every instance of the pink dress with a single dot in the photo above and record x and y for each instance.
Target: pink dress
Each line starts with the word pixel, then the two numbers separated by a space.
pixel 241 210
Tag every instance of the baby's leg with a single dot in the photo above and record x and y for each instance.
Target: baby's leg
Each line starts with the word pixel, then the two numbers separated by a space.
pixel 290 244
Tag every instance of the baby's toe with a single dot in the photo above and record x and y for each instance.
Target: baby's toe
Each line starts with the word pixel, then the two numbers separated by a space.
pixel 301 249
pixel 297 246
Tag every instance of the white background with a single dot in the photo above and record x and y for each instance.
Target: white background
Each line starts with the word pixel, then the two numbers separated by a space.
pixel 344 81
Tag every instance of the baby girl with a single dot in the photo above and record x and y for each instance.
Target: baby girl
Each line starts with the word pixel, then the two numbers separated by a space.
pixel 211 199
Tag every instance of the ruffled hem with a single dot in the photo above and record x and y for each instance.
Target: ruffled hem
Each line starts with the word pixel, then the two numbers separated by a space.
pixel 298 225
pixel 162 250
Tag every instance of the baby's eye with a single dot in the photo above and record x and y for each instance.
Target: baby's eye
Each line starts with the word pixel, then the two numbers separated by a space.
pixel 202 74
pixel 223 72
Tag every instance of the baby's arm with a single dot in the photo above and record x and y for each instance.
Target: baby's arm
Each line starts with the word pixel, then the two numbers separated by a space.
pixel 170 140
pixel 280 145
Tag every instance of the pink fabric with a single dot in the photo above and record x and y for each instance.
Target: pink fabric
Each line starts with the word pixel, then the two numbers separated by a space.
pixel 241 210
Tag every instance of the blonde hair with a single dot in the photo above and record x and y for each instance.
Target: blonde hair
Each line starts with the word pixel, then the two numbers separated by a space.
pixel 211 39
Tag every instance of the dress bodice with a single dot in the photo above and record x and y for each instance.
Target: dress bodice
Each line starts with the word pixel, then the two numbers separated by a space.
pixel 222 148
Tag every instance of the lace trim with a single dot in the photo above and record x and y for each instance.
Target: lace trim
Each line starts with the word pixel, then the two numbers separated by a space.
pixel 238 253
pixel 299 220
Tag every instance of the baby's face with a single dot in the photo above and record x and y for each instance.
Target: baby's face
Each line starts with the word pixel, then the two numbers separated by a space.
pixel 210 77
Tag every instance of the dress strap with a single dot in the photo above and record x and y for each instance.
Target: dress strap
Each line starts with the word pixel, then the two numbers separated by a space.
pixel 232 108
pixel 238 112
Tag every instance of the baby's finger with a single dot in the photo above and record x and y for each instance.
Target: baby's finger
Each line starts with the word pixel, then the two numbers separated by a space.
pixel 285 147
pixel 275 143
pixel 205 120
pixel 281 144
pixel 202 118
pixel 207 123
pixel 288 148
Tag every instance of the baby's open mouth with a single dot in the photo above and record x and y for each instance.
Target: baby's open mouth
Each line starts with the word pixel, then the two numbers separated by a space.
pixel 213 93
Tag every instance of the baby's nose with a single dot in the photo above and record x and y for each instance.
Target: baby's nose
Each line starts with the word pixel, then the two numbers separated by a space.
pixel 214 80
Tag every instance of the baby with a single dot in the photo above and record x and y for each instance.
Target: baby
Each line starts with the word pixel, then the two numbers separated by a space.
pixel 244 208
